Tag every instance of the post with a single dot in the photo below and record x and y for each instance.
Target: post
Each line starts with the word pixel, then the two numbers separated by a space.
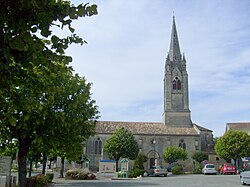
pixel 154 142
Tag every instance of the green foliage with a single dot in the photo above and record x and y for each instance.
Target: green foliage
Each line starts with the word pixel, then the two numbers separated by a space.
pixel 50 177
pixel 39 180
pixel 177 170
pixel 200 156
pixel 121 144
pixel 140 159
pixel 233 145
pixel 79 174
pixel 173 154
pixel 215 140
pixel 8 148
pixel 136 172
pixel 197 168
pixel 41 100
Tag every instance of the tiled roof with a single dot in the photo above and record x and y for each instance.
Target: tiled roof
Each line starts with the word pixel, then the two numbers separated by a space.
pixel 244 126
pixel 202 128
pixel 154 128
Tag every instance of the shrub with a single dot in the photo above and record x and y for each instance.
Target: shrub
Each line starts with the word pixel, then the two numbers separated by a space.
pixel 50 176
pixel 177 170
pixel 140 159
pixel 198 169
pixel 79 174
pixel 39 180
pixel 136 172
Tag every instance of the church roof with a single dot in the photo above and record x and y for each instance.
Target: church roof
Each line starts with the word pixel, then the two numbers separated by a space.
pixel 202 128
pixel 243 126
pixel 146 128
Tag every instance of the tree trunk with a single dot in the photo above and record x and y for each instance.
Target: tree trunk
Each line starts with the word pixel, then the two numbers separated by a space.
pixel 44 163
pixel 30 170
pixel 235 165
pixel 24 144
pixel 116 164
pixel 49 164
pixel 62 167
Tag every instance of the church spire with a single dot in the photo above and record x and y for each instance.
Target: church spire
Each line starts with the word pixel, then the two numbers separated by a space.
pixel 176 105
pixel 174 51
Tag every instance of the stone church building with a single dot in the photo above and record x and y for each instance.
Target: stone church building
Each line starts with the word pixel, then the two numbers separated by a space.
pixel 176 129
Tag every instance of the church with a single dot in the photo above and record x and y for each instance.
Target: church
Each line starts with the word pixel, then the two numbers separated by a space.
pixel 176 128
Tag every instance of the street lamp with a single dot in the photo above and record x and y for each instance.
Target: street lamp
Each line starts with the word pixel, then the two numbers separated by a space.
pixel 154 142
pixel 140 145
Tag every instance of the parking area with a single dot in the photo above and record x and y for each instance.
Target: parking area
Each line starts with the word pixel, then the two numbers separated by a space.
pixel 171 180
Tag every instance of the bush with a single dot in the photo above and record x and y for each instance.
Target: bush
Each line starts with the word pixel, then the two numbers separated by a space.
pixel 140 159
pixel 50 176
pixel 136 172
pixel 39 180
pixel 177 170
pixel 79 174
pixel 197 170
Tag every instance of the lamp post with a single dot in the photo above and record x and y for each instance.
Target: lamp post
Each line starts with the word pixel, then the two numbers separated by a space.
pixel 154 142
pixel 140 145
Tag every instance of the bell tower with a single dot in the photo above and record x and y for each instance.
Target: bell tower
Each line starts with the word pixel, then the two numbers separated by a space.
pixel 176 105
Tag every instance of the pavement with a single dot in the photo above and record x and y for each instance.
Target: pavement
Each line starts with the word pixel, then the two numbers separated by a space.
pixel 103 177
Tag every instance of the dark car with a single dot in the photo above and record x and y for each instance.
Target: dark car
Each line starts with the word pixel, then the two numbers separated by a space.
pixel 157 171
pixel 170 168
pixel 227 168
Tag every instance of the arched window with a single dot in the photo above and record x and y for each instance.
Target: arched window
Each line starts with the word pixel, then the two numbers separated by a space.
pixel 176 84
pixel 98 146
pixel 182 144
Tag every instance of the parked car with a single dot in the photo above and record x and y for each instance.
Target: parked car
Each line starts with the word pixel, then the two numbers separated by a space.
pixel 157 171
pixel 245 175
pixel 209 169
pixel 169 168
pixel 227 168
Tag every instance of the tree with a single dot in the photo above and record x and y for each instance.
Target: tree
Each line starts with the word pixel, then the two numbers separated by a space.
pixel 31 60
pixel 215 140
pixel 140 159
pixel 233 145
pixel 200 156
pixel 121 144
pixel 173 154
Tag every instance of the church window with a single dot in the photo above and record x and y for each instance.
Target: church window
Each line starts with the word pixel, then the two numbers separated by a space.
pixel 176 84
pixel 98 146
pixel 182 144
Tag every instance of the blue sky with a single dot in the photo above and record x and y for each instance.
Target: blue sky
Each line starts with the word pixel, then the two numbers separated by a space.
pixel 127 46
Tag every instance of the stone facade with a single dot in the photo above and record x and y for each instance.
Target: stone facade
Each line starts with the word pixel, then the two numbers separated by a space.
pixel 193 139
pixel 176 129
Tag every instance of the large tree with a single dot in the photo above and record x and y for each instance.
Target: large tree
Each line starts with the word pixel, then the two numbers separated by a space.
pixel 200 156
pixel 31 60
pixel 233 145
pixel 173 154
pixel 121 144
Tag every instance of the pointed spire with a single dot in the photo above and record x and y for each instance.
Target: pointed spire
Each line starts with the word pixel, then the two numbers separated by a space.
pixel 168 57
pixel 184 59
pixel 174 51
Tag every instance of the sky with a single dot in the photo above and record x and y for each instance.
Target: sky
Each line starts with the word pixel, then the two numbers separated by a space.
pixel 128 42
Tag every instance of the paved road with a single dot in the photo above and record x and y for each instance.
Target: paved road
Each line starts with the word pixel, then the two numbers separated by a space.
pixel 171 181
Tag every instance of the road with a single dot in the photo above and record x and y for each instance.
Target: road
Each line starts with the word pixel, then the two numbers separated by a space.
pixel 171 181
